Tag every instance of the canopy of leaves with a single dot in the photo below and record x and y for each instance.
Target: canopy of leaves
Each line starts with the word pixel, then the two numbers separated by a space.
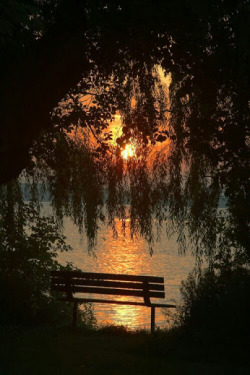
pixel 201 119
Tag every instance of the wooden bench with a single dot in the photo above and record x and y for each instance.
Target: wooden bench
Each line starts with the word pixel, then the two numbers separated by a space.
pixel 143 287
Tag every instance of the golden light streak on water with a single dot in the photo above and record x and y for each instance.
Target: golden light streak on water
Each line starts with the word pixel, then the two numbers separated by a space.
pixel 124 256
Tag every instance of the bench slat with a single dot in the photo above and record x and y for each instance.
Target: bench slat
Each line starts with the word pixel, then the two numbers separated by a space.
pixel 144 287
pixel 107 284
pixel 120 292
pixel 107 276
pixel 133 303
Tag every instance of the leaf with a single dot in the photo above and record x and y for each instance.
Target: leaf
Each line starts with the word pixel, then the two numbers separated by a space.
pixel 161 138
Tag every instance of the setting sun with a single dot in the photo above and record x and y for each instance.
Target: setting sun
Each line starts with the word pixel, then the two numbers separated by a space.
pixel 128 152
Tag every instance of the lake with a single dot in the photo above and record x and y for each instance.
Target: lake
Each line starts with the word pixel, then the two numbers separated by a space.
pixel 124 256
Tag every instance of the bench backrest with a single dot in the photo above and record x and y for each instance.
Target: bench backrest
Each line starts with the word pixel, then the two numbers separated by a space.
pixel 71 282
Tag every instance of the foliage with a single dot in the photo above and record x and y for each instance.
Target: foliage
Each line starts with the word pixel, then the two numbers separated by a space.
pixel 200 120
pixel 30 243
pixel 215 303
pixel 163 184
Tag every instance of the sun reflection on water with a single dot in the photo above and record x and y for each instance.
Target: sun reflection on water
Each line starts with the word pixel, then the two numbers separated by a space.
pixel 122 255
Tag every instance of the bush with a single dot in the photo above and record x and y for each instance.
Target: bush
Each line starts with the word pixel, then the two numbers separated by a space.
pixel 216 304
pixel 29 246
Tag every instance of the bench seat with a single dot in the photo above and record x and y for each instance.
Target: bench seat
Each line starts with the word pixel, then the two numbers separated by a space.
pixel 71 283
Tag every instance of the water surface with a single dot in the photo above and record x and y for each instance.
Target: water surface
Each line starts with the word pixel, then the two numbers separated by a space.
pixel 124 256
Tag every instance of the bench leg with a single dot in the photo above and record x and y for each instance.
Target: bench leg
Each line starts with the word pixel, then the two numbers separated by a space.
pixel 75 315
pixel 152 319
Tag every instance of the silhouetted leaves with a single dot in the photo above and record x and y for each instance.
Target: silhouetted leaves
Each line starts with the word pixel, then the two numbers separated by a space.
pixel 178 75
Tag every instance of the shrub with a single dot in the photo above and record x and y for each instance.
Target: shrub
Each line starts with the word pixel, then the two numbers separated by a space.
pixel 29 246
pixel 216 304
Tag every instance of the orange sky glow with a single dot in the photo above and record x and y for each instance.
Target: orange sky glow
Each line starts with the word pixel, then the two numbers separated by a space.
pixel 129 150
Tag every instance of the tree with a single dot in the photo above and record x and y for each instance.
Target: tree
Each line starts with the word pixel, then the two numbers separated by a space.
pixel 204 47
pixel 29 247
pixel 42 49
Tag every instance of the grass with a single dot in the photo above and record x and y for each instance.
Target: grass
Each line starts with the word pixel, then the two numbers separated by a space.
pixel 108 351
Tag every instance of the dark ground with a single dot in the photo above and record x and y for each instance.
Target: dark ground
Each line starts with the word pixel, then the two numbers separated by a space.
pixel 110 351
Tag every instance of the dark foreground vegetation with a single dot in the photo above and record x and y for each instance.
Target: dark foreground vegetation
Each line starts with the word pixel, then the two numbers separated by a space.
pixel 116 351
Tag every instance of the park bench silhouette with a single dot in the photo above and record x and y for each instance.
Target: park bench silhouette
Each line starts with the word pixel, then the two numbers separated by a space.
pixel 72 283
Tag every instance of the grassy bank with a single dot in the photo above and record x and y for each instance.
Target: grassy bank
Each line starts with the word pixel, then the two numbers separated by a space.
pixel 109 351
